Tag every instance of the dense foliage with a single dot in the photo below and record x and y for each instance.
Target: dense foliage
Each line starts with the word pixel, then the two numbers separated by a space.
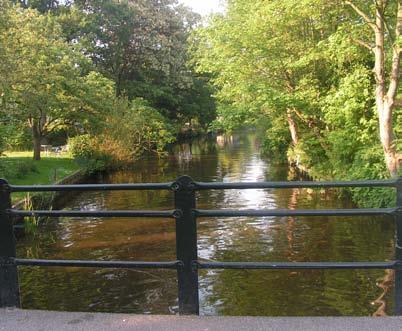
pixel 71 68
pixel 302 70
pixel 318 78
pixel 131 129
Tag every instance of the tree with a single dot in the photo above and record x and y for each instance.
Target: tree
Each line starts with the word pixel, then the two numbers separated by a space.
pixel 8 67
pixel 51 89
pixel 8 64
pixel 263 57
pixel 302 70
pixel 385 21
pixel 142 47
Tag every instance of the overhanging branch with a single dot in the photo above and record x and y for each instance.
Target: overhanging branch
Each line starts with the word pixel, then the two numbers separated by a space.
pixel 363 43
pixel 362 14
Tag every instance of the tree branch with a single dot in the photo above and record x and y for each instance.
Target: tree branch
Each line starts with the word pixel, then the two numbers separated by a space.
pixel 46 127
pixel 362 14
pixel 364 44
pixel 396 60
pixel 382 8
pixel 30 121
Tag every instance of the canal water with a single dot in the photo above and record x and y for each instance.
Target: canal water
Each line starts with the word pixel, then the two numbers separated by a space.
pixel 228 292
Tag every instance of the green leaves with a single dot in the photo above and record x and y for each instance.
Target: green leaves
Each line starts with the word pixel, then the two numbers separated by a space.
pixel 299 69
pixel 263 54
pixel 48 89
pixel 63 63
pixel 142 47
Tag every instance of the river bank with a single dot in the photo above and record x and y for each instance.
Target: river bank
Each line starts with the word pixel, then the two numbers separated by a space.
pixel 59 169
pixel 18 168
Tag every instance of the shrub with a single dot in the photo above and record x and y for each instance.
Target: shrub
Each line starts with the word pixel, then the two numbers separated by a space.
pixel 129 131
pixel 148 129
pixel 369 164
pixel 134 129
pixel 88 154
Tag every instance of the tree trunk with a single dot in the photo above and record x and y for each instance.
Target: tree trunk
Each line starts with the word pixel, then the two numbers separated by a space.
pixel 293 128
pixel 387 139
pixel 36 139
pixel 385 100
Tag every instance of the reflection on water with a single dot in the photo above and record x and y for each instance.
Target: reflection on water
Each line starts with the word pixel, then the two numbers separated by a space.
pixel 228 292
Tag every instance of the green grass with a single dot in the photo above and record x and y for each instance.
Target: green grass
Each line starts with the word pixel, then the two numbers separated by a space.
pixel 20 169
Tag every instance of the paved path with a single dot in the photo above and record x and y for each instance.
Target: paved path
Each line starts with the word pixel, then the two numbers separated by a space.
pixel 31 320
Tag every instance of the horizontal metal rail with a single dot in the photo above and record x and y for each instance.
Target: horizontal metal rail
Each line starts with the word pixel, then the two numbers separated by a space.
pixel 98 264
pixel 200 186
pixel 185 214
pixel 295 184
pixel 81 213
pixel 297 265
pixel 90 187
pixel 288 212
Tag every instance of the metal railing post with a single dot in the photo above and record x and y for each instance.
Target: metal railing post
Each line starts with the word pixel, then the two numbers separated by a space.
pixel 186 246
pixel 9 288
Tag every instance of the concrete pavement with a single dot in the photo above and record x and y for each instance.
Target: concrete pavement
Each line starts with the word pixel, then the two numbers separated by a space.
pixel 30 320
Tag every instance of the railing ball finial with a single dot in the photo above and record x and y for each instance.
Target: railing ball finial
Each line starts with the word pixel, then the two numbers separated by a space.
pixel 185 183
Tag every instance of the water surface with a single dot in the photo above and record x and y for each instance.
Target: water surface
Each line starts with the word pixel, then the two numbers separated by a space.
pixel 228 292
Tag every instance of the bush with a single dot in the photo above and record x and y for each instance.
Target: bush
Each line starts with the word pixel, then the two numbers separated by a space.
pixel 88 154
pixel 134 129
pixel 369 164
pixel 148 129
pixel 129 131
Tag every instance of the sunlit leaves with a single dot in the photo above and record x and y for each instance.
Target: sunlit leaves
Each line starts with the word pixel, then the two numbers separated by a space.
pixel 48 88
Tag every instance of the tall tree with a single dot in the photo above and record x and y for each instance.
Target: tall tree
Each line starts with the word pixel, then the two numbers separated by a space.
pixel 263 57
pixel 50 89
pixel 385 21
pixel 142 46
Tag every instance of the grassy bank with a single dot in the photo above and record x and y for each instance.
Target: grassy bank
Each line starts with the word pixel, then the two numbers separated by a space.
pixel 19 169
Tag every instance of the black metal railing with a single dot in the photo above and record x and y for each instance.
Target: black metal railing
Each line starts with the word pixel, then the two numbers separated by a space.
pixel 185 215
